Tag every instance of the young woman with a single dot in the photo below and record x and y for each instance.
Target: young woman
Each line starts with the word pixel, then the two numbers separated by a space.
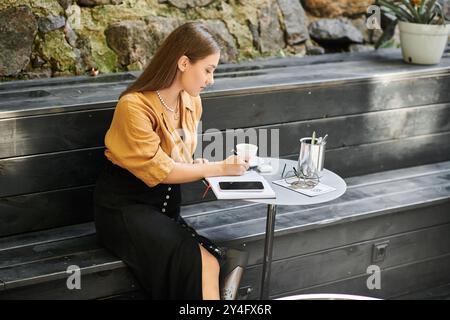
pixel 149 148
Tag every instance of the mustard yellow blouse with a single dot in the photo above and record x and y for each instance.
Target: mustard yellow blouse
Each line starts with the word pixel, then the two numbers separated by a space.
pixel 141 139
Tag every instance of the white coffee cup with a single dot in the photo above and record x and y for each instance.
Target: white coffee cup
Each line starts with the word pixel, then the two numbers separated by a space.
pixel 247 151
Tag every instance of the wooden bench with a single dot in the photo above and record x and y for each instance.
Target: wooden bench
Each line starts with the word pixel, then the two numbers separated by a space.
pixel 389 132
pixel 322 248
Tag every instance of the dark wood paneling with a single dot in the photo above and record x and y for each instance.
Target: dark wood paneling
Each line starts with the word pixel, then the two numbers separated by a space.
pixel 315 102
pixel 54 249
pixel 91 261
pixel 334 236
pixel 51 133
pixel 249 223
pixel 351 131
pixel 387 155
pixel 395 281
pixel 326 266
pixel 52 235
pixel 86 129
pixel 93 286
pixel 70 206
pixel 44 172
pixel 45 210
pixel 441 292
pixel 380 114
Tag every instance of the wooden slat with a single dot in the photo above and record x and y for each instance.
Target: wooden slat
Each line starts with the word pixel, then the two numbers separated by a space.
pixel 36 252
pixel 39 173
pixel 351 131
pixel 441 292
pixel 52 133
pixel 253 109
pixel 398 174
pixel 47 236
pixel 48 83
pixel 40 211
pixel 36 272
pixel 93 286
pixel 387 155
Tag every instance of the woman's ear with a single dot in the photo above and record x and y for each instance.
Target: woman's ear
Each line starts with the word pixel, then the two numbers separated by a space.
pixel 183 63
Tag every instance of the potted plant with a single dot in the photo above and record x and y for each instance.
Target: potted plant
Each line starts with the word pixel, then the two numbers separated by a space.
pixel 423 31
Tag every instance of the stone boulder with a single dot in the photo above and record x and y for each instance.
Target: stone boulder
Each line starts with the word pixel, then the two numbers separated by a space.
pixel 136 41
pixel 335 31
pixel 229 52
pixel 18 28
pixel 336 8
pixel 130 41
pixel 183 4
pixel 92 3
pixel 50 23
pixel 271 38
pixel 295 21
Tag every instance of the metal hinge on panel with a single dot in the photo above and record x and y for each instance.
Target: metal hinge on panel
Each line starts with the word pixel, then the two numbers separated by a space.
pixel 244 292
pixel 379 251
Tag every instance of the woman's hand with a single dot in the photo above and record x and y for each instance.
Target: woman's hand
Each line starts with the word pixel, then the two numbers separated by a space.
pixel 201 160
pixel 234 166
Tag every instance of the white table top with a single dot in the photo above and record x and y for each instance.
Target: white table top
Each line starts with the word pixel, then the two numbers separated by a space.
pixel 288 197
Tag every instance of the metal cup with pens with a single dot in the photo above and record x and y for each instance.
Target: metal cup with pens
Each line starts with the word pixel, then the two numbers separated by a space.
pixel 310 163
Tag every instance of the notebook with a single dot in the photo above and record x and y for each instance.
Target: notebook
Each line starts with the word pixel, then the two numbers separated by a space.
pixel 250 175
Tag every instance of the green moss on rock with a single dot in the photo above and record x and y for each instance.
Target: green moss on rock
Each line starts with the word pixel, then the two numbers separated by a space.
pixel 58 52
pixel 102 57
pixel 39 7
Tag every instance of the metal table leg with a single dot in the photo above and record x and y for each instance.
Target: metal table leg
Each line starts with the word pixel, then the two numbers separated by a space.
pixel 268 248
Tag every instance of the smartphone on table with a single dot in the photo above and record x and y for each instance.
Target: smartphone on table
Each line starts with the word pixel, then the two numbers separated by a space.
pixel 241 186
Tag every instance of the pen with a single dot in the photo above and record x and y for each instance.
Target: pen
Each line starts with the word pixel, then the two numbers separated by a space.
pixel 208 186
pixel 313 139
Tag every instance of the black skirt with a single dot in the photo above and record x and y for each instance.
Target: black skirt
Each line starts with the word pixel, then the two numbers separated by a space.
pixel 143 227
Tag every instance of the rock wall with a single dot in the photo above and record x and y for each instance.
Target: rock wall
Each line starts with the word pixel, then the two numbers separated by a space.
pixel 42 38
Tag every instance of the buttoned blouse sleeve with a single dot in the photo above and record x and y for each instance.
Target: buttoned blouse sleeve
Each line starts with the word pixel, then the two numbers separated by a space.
pixel 133 143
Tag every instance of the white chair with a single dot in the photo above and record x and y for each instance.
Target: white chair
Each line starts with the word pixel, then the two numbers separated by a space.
pixel 326 296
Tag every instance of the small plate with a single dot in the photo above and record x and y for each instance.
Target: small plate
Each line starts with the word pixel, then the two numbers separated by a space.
pixel 255 162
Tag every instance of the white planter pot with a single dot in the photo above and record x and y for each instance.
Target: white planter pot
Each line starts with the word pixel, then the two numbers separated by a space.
pixel 423 43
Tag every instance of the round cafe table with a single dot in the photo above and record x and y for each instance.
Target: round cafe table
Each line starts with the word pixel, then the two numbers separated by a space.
pixel 286 197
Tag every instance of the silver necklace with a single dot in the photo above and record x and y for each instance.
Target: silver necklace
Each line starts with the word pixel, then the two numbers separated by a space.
pixel 174 110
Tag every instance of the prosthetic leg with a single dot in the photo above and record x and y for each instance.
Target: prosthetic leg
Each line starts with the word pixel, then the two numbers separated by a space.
pixel 231 272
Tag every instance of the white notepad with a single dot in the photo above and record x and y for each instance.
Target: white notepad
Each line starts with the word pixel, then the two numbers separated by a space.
pixel 248 176
pixel 316 191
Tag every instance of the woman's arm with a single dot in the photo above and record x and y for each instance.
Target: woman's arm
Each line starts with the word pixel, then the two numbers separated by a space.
pixel 186 172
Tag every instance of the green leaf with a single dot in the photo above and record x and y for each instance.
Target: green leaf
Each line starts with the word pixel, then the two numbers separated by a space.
pixel 429 12
pixel 399 12
pixel 412 10
pixel 422 10
pixel 387 35
pixel 440 12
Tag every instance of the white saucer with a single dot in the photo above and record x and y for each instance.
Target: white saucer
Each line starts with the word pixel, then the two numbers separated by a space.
pixel 256 161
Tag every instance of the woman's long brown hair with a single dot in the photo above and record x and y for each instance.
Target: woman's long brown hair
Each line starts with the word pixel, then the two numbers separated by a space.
pixel 192 39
